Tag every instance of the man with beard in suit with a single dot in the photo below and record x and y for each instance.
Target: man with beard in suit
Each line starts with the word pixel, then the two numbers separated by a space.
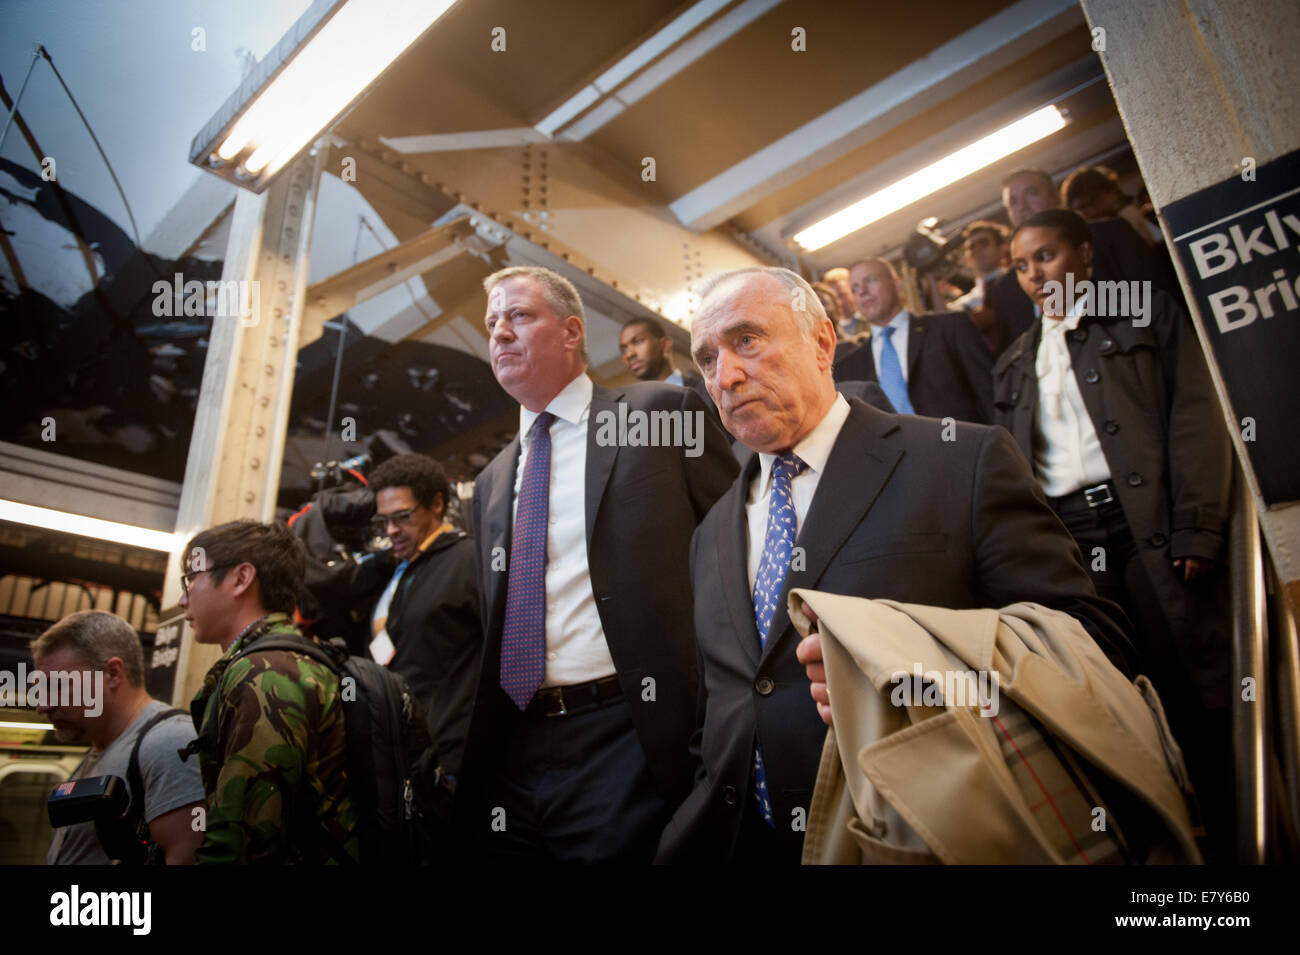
pixel 646 349
pixel 843 498
pixel 577 748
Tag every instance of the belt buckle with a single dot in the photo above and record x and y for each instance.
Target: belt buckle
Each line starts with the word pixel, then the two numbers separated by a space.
pixel 563 711
pixel 1099 501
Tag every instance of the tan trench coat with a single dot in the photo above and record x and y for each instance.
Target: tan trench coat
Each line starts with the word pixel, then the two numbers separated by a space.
pixel 927 784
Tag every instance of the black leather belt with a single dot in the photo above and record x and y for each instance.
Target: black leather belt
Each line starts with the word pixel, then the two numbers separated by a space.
pixel 1101 494
pixel 577 698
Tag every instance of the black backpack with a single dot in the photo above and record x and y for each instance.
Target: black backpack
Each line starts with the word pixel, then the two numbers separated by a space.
pixel 386 740
pixel 137 848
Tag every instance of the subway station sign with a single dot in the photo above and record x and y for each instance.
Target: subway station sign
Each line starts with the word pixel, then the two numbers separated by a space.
pixel 161 657
pixel 1239 244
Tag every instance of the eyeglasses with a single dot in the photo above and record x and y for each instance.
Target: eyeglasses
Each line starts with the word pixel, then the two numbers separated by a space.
pixel 400 518
pixel 186 579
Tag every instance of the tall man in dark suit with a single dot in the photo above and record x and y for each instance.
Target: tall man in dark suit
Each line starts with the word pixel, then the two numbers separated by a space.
pixel 577 749
pixel 933 365
pixel 1119 254
pixel 843 498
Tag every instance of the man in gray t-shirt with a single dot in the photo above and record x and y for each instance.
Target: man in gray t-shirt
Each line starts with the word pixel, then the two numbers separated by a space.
pixel 110 715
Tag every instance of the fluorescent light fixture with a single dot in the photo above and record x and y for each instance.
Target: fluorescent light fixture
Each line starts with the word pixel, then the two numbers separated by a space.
pixel 12 725
pixel 936 176
pixel 83 526
pixel 317 82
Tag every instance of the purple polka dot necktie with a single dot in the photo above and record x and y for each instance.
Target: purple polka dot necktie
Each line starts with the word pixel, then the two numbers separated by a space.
pixel 769 582
pixel 523 640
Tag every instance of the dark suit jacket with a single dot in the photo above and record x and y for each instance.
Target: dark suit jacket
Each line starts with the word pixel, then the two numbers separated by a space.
pixel 949 368
pixel 1119 254
pixel 901 514
pixel 696 384
pixel 642 506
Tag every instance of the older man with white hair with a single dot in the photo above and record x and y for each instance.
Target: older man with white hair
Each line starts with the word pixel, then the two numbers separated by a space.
pixel 843 498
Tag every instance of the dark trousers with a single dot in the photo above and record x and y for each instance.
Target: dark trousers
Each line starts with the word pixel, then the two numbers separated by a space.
pixel 573 788
pixel 756 844
pixel 1205 735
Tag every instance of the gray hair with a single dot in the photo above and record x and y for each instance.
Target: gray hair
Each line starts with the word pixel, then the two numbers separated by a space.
pixel 560 295
pixel 95 637
pixel 811 315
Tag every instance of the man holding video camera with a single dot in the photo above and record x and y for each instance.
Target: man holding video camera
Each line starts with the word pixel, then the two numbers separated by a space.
pixel 122 715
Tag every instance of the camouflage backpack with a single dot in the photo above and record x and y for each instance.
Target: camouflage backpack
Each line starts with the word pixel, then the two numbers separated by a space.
pixel 386 734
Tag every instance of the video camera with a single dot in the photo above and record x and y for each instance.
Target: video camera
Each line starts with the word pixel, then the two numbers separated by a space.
pixel 929 252
pixel 105 801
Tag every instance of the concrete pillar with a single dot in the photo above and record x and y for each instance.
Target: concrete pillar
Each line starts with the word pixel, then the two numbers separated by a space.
pixel 233 469
pixel 1206 90
pixel 1202 86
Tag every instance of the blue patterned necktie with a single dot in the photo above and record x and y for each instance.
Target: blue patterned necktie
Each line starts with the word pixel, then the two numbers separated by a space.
pixel 891 374
pixel 523 640
pixel 769 582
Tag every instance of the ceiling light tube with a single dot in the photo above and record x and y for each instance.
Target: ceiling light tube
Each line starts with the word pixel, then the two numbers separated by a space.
pixel 83 526
pixel 934 177
pixel 360 40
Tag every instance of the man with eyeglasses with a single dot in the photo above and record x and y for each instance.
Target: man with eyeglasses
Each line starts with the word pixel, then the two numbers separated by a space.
pixel 271 737
pixel 425 624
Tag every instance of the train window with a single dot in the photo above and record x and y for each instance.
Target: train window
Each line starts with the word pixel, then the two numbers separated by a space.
pixel 25 831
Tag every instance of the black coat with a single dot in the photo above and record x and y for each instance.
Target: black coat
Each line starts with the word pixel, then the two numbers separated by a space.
pixel 642 506
pixel 1119 254
pixel 949 368
pixel 899 513
pixel 433 621
pixel 1149 396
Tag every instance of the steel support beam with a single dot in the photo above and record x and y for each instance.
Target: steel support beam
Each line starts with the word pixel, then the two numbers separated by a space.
pixel 233 469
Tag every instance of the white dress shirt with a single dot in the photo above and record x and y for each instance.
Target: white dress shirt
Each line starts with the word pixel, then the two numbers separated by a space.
pixel 1067 454
pixel 814 450
pixel 576 650
pixel 900 323
pixel 675 378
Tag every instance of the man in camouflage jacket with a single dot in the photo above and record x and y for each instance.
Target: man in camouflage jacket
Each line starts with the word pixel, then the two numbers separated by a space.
pixel 271 740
